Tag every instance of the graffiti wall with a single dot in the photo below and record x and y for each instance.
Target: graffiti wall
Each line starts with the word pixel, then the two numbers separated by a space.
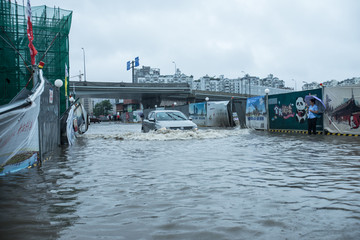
pixel 288 110
pixel 197 111
pixel 342 114
pixel 256 117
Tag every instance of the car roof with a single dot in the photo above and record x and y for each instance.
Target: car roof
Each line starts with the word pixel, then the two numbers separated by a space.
pixel 156 111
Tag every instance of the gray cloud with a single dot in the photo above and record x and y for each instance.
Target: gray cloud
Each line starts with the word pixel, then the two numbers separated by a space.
pixel 302 39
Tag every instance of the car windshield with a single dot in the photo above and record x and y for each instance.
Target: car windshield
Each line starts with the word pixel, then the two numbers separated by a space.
pixel 170 116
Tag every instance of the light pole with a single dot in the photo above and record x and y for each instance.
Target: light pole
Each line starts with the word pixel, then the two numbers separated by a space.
pixel 206 99
pixel 206 112
pixel 267 109
pixel 58 83
pixel 231 111
pixel 84 64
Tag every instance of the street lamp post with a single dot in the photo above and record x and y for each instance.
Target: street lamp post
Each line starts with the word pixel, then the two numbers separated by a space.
pixel 231 111
pixel 206 112
pixel 267 109
pixel 58 83
pixel 84 64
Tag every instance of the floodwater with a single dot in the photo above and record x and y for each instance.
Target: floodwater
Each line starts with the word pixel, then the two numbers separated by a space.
pixel 118 183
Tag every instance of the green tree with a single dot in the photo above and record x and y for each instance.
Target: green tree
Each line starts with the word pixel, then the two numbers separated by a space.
pixel 102 108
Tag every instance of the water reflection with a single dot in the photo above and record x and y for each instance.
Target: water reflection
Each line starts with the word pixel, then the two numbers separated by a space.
pixel 36 203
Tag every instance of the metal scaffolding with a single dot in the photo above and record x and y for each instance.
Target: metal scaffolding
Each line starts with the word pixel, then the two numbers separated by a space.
pixel 51 27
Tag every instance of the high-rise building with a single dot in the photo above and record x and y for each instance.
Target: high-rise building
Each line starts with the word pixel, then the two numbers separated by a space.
pixel 248 85
pixel 152 75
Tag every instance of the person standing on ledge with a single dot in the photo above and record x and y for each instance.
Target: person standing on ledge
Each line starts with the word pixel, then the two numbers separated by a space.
pixel 312 117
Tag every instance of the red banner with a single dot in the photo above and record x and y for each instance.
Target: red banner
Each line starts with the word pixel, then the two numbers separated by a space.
pixel 30 34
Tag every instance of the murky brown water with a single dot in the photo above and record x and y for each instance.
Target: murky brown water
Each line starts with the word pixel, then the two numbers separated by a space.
pixel 118 183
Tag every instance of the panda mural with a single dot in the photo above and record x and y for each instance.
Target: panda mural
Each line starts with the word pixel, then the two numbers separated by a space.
pixel 300 110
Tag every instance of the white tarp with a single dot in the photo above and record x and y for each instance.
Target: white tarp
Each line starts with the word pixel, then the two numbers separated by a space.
pixel 342 114
pixel 19 133
pixel 70 133
pixel 217 114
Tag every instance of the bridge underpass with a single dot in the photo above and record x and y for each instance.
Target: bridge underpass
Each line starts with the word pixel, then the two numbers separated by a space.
pixel 149 94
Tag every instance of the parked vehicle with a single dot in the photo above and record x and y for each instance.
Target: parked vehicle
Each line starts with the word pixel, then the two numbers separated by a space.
pixel 94 120
pixel 167 119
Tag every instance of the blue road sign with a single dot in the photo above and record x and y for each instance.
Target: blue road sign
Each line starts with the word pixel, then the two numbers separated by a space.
pixel 136 61
pixel 128 65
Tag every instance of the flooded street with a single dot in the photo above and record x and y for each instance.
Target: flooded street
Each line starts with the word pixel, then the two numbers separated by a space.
pixel 119 183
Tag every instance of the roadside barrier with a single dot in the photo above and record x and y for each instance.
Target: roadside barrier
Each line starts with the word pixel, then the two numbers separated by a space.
pixel 294 131
pixel 339 134
pixel 317 132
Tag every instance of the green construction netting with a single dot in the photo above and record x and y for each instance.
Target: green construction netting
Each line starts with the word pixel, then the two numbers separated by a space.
pixel 51 27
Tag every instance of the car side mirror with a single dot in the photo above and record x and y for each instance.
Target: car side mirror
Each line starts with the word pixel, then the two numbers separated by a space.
pixel 152 119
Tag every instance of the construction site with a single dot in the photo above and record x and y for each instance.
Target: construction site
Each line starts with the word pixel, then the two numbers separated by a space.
pixel 51 27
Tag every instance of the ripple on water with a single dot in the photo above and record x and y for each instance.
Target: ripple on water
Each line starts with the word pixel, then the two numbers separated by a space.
pixel 119 183
pixel 168 135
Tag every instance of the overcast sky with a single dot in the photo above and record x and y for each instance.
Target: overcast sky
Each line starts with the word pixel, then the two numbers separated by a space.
pixel 304 40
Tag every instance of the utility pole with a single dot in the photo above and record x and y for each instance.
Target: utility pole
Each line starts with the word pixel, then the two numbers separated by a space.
pixel 267 109
pixel 132 64
pixel 133 70
pixel 84 64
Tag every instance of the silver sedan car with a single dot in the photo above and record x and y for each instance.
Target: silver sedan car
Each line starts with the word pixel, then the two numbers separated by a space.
pixel 167 119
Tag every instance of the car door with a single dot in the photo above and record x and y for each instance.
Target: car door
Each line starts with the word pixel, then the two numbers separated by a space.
pixel 151 121
pixel 147 124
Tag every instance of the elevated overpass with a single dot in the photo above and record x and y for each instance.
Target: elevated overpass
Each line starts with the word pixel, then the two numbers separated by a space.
pixel 152 93
pixel 137 91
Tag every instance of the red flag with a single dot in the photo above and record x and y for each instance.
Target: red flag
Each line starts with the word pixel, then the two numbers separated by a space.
pixel 30 34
